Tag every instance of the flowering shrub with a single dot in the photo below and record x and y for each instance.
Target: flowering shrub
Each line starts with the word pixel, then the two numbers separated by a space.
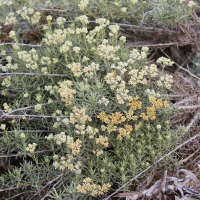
pixel 85 108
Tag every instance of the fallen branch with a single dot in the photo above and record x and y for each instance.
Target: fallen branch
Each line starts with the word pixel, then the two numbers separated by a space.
pixel 29 45
pixel 31 74
pixel 40 116
pixel 22 154
pixel 152 45
pixel 188 107
pixel 167 186
pixel 20 109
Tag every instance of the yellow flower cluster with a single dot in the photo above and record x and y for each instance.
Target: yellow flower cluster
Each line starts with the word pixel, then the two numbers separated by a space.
pixel 95 190
pixel 111 120
pixel 151 111
pixel 74 146
pixel 135 105
pixel 115 118
pixel 125 132
pixel 66 92
pixel 67 164
pixel 137 126
pixel 102 140
pixel 78 116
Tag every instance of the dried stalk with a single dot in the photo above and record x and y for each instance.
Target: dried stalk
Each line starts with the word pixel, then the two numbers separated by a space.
pixel 186 100
pixel 29 45
pixel 30 74
pixel 20 109
pixel 188 107
pixel 43 116
pixel 53 187
pixel 38 131
pixel 196 117
pixel 142 27
pixel 57 10
pixel 152 45
pixel 186 159
pixel 48 183
pixel 22 154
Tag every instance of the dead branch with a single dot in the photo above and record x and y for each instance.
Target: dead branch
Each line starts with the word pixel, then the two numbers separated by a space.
pixel 20 109
pixel 152 45
pixel 196 117
pixel 31 74
pixel 22 154
pixel 29 45
pixel 40 116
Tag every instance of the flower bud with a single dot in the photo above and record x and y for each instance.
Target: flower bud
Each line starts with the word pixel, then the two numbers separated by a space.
pixel 121 170
pixel 148 127
pixel 139 145
pixel 46 159
pixel 142 164
pixel 153 154
pixel 167 124
pixel 132 140
pixel 147 164
pixel 159 138
pixel 131 157
pixel 123 178
pixel 109 164
pixel 139 151
pixel 158 126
